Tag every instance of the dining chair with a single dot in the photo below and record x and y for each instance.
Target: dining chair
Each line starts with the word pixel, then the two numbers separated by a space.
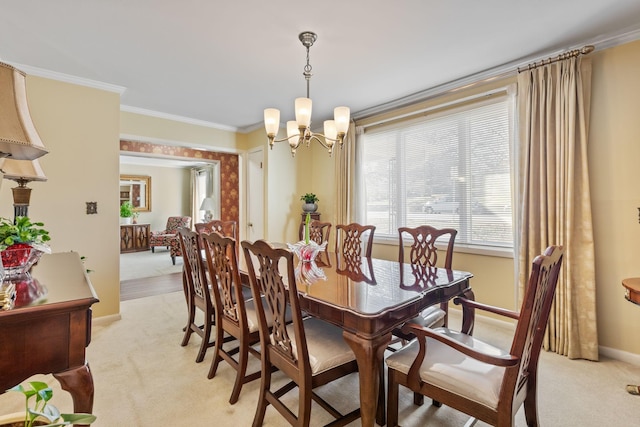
pixel 423 257
pixel 354 240
pixel 233 315
pixel 197 291
pixel 309 351
pixel 318 231
pixel 225 228
pixel 481 380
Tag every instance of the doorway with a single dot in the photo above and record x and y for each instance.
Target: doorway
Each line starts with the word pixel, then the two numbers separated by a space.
pixel 255 195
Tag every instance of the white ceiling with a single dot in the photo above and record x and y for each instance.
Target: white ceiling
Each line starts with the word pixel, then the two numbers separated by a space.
pixel 224 62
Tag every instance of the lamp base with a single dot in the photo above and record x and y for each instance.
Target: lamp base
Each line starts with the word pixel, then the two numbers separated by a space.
pixel 208 216
pixel 20 210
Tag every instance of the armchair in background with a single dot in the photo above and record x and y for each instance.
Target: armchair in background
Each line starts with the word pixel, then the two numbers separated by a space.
pixel 169 236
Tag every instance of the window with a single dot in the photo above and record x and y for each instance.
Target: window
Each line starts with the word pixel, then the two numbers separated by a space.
pixel 446 169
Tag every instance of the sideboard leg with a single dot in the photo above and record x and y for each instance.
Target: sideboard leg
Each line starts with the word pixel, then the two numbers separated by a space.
pixel 79 383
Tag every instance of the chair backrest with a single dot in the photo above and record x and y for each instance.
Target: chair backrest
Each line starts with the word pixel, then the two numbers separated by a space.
pixel 354 240
pixel 532 322
pixel 222 264
pixel 193 266
pixel 318 231
pixel 266 279
pixel 225 228
pixel 176 222
pixel 423 251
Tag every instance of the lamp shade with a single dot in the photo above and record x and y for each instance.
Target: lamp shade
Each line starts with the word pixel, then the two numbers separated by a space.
pixel 207 204
pixel 25 170
pixel 19 138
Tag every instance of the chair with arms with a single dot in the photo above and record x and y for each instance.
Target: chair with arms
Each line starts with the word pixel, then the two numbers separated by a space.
pixel 423 256
pixel 474 377
pixel 309 351
pixel 164 237
pixel 233 315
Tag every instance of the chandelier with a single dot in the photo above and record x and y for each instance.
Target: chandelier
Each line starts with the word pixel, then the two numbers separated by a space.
pixel 299 131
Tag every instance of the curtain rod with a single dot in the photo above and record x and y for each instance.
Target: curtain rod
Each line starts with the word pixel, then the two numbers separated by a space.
pixel 575 52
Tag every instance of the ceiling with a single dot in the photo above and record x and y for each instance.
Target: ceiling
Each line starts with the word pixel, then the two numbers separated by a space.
pixel 221 63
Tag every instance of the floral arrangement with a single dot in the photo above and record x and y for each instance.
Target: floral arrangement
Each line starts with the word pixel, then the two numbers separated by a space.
pixel 22 243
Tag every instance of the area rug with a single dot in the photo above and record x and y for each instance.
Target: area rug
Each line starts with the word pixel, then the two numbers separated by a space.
pixel 135 265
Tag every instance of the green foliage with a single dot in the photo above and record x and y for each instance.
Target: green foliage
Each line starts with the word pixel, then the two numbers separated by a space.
pixel 310 198
pixel 126 209
pixel 43 393
pixel 23 231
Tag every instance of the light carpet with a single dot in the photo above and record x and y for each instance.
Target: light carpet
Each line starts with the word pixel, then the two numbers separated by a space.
pixel 143 377
pixel 135 265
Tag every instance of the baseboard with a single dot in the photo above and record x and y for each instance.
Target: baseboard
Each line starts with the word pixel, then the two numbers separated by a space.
pixel 623 356
pixel 105 320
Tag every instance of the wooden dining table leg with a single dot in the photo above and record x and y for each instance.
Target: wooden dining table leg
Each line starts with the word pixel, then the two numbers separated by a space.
pixel 369 355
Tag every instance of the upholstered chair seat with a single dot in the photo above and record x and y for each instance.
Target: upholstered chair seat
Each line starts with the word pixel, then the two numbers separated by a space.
pixel 451 370
pixel 327 349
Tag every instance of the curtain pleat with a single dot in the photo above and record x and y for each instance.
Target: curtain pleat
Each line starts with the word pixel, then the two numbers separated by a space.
pixel 554 197
pixel 345 177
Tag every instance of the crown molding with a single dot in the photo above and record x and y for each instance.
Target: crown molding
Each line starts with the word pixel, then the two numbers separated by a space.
pixel 67 78
pixel 167 116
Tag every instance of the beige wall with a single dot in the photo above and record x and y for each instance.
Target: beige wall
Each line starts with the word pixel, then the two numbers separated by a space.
pixel 164 130
pixel 614 153
pixel 169 193
pixel 80 128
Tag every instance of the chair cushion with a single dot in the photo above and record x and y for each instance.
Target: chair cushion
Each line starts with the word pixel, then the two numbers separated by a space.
pixel 451 370
pixel 327 348
pixel 430 317
pixel 252 314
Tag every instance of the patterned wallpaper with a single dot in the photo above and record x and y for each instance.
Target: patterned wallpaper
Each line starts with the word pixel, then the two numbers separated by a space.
pixel 229 173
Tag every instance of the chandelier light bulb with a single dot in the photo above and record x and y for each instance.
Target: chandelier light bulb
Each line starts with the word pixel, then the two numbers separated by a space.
pixel 272 120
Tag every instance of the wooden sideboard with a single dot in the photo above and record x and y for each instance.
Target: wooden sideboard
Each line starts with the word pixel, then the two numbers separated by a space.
pixel 50 335
pixel 134 237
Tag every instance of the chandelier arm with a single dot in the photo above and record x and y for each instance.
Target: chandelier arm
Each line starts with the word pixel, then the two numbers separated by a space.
pixel 315 136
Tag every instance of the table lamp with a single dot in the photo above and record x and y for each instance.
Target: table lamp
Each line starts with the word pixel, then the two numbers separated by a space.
pixel 22 171
pixel 19 139
pixel 207 205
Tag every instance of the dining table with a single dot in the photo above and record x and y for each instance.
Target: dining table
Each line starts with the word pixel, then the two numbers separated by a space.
pixel 368 298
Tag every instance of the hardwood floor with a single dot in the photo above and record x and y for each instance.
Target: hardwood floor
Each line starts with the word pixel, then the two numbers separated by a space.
pixel 148 286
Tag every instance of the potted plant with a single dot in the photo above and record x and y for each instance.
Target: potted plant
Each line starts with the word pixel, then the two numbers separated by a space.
pixel 310 202
pixel 22 242
pixel 126 212
pixel 42 413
